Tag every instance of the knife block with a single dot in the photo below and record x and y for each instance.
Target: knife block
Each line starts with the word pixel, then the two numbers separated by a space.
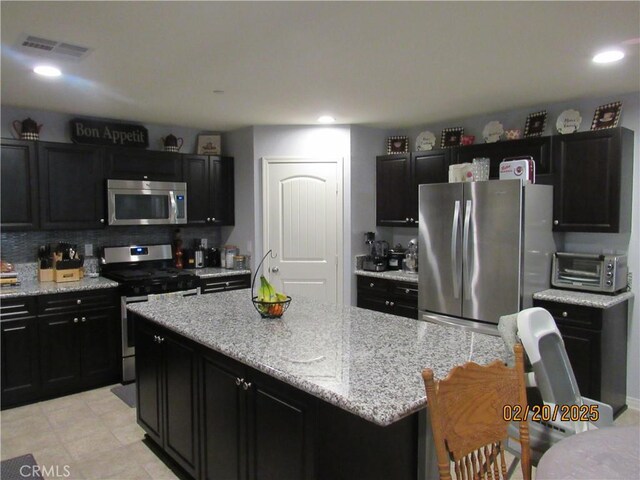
pixel 68 275
pixel 45 275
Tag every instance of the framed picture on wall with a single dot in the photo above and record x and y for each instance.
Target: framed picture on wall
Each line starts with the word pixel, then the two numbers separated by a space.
pixel 606 116
pixel 535 124
pixel 397 144
pixel 209 145
pixel 451 137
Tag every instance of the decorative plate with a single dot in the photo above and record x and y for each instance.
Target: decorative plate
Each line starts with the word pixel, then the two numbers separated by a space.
pixel 492 131
pixel 569 121
pixel 425 140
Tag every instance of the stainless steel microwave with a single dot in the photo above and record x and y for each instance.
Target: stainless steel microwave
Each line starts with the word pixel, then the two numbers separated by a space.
pixel 142 202
pixel 592 273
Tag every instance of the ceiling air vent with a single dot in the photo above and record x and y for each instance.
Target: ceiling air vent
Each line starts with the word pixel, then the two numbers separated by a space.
pixel 52 48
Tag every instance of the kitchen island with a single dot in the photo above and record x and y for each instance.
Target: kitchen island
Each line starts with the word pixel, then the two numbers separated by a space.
pixel 324 392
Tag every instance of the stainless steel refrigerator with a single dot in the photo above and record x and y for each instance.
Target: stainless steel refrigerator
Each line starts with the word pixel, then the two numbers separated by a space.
pixel 484 249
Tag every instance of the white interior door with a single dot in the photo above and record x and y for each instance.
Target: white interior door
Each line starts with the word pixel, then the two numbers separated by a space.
pixel 302 221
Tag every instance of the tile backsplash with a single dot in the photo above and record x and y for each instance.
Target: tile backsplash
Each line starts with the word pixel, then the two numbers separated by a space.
pixel 22 247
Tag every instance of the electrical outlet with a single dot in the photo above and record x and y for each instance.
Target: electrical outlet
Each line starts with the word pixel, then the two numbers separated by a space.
pixel 88 250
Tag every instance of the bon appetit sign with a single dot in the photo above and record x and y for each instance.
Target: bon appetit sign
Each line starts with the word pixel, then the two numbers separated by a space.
pixel 95 132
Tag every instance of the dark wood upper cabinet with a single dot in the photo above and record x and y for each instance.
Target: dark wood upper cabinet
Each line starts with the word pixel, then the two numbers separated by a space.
pixel 19 176
pixel 137 164
pixel 72 187
pixel 593 181
pixel 539 148
pixel 393 180
pixel 210 189
pixel 397 180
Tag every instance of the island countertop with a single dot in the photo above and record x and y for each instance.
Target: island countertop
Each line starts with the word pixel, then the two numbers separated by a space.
pixel 365 362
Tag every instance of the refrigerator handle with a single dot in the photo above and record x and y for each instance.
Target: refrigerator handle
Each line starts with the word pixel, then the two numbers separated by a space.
pixel 454 253
pixel 465 249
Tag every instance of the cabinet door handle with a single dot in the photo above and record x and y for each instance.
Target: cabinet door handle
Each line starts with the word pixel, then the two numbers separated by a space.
pixel 145 177
pixel 156 338
pixel 208 219
pixel 406 290
pixel 387 302
pixel 391 304
pixel 75 320
pixel 555 222
pixel 406 219
pixel 213 219
pixel 371 285
pixel 246 385
pixel 227 284
pixel 565 314
pixel 78 301
pixel 102 220
pixel 412 220
pixel 160 339
pixel 239 381
pixel 84 319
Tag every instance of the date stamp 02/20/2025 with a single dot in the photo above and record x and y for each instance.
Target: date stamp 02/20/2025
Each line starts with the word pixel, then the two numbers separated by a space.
pixel 551 413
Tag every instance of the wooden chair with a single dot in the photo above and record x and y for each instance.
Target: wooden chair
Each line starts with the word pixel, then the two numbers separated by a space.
pixel 468 418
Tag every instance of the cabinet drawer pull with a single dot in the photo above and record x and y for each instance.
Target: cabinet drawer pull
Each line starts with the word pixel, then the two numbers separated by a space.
pixel 213 219
pixel 84 319
pixel 208 219
pixel 406 219
pixel 406 290
pixel 246 385
pixel 565 314
pixel 227 284
pixel 75 320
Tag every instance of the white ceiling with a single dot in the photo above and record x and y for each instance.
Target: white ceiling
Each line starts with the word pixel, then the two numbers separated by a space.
pixel 386 64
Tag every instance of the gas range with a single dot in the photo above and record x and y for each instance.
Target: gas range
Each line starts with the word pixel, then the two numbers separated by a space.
pixel 145 270
pixel 142 272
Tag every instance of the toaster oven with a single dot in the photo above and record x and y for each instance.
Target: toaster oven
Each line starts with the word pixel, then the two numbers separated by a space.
pixel 592 273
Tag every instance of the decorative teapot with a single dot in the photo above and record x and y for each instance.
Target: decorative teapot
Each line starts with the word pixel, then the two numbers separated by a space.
pixel 172 143
pixel 28 129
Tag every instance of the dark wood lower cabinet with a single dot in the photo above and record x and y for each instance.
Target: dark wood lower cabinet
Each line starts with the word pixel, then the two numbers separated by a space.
pixel 20 362
pixel 166 376
pixel 250 425
pixel 596 344
pixel 59 353
pixel 388 296
pixel 54 345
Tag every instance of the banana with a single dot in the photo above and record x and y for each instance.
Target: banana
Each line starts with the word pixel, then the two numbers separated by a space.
pixel 266 293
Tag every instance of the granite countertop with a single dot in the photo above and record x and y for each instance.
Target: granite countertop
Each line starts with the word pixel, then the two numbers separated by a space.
pixel 582 298
pixel 398 275
pixel 31 286
pixel 211 272
pixel 365 362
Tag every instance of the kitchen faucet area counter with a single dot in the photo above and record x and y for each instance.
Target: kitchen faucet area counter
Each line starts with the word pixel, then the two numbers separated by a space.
pixel 364 362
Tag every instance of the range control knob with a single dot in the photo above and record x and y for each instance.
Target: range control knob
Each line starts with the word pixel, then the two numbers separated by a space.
pixel 609 274
pixel 609 266
pixel 609 283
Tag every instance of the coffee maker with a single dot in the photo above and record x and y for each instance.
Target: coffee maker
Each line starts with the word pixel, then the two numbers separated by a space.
pixel 378 257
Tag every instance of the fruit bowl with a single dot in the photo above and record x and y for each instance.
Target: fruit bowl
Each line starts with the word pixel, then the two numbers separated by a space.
pixel 271 309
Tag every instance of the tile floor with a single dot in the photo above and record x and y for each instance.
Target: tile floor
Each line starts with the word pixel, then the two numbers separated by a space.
pixel 96 435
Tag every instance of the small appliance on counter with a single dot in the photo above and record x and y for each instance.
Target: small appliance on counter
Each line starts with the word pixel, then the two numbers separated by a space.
pixel 396 256
pixel 410 261
pixel 589 272
pixel 377 259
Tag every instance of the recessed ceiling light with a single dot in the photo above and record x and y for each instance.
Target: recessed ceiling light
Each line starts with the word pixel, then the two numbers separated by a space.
pixel 326 119
pixel 218 91
pixel 47 71
pixel 608 56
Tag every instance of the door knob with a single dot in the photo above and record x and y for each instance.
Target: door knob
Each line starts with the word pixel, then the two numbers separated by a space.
pixel 275 269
